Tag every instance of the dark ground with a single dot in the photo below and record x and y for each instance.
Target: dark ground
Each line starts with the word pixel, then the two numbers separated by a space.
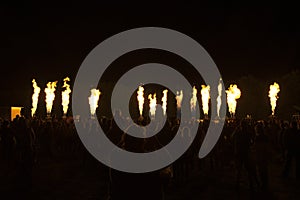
pixel 61 178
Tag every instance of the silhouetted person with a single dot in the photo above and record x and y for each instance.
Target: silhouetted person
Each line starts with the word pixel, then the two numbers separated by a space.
pixel 24 137
pixel 46 138
pixel 242 144
pixel 262 155
pixel 284 128
pixel 135 186
pixel 183 165
pixel 114 133
pixel 7 140
pixel 292 147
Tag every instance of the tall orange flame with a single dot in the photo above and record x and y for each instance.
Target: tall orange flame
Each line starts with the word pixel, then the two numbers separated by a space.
pixel 205 98
pixel 233 93
pixel 193 101
pixel 50 95
pixel 152 104
pixel 93 100
pixel 164 101
pixel 179 96
pixel 66 95
pixel 35 97
pixel 274 90
pixel 219 100
pixel 141 99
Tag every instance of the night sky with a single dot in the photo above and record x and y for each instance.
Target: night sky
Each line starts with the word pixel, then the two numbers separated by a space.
pixel 50 42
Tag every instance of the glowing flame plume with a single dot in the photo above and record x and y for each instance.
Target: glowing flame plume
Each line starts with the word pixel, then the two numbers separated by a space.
pixel 205 98
pixel 35 97
pixel 274 89
pixel 233 93
pixel 152 104
pixel 93 100
pixel 65 95
pixel 179 96
pixel 50 95
pixel 141 99
pixel 164 101
pixel 193 101
pixel 219 100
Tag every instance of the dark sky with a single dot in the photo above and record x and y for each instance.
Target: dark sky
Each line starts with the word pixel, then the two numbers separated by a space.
pixel 50 42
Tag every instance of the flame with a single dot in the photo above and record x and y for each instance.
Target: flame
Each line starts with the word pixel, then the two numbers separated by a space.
pixel 93 100
pixel 274 89
pixel 233 93
pixel 164 101
pixel 179 96
pixel 205 98
pixel 152 104
pixel 50 95
pixel 66 95
pixel 140 98
pixel 219 100
pixel 193 101
pixel 35 97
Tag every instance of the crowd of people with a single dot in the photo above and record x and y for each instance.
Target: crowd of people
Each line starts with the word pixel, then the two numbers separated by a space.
pixel 246 145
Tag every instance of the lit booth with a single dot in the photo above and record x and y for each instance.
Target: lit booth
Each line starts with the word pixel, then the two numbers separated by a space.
pixel 9 113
